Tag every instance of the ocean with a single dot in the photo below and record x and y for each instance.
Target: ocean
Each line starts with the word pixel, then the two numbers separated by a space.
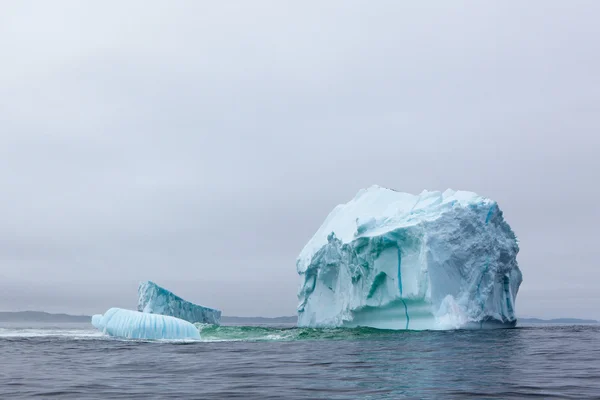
pixel 74 361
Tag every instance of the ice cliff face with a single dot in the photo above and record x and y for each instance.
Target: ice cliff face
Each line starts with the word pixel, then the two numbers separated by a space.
pixel 157 300
pixel 394 260
pixel 136 325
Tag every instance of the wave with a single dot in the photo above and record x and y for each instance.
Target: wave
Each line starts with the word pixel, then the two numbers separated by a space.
pixel 216 333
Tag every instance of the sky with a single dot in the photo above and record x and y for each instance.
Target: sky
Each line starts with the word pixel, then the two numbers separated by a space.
pixel 200 144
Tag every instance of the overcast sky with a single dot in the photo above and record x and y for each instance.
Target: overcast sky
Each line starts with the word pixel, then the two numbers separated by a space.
pixel 200 144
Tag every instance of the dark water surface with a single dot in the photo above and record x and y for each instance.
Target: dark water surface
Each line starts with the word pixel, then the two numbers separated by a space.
pixel 74 361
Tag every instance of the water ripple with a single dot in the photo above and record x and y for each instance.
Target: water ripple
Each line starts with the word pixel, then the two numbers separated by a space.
pixel 283 362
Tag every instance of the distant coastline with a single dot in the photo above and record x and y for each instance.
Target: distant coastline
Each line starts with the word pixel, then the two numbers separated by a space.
pixel 41 316
pixel 557 321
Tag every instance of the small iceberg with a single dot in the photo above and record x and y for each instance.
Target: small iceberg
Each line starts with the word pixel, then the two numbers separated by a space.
pixel 158 300
pixel 137 325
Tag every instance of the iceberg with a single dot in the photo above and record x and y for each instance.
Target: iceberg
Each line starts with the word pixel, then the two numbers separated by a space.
pixel 136 325
pixel 97 321
pixel 393 260
pixel 154 299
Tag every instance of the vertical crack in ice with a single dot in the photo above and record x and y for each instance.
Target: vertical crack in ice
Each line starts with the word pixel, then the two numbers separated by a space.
pixel 400 286
pixel 485 270
pixel 508 297
pixel 481 301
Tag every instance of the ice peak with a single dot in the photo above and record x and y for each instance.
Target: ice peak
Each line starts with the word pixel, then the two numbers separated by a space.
pixel 158 300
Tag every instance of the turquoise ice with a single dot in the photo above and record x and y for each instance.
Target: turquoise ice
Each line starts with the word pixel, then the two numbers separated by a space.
pixel 386 259
pixel 157 300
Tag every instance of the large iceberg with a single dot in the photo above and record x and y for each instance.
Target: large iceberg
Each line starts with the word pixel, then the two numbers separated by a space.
pixel 157 300
pixel 136 325
pixel 394 260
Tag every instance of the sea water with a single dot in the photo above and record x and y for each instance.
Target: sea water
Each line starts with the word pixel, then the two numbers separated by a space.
pixel 274 362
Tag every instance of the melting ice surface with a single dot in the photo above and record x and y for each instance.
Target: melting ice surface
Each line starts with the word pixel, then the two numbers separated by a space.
pixel 136 325
pixel 157 300
pixel 394 260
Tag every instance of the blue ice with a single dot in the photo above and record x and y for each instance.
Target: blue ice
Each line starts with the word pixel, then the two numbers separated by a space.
pixel 137 325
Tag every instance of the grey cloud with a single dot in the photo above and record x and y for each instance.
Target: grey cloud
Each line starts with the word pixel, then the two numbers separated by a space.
pixel 201 145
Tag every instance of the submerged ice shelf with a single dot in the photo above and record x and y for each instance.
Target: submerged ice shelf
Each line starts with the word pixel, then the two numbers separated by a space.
pixel 157 300
pixel 392 260
pixel 137 325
